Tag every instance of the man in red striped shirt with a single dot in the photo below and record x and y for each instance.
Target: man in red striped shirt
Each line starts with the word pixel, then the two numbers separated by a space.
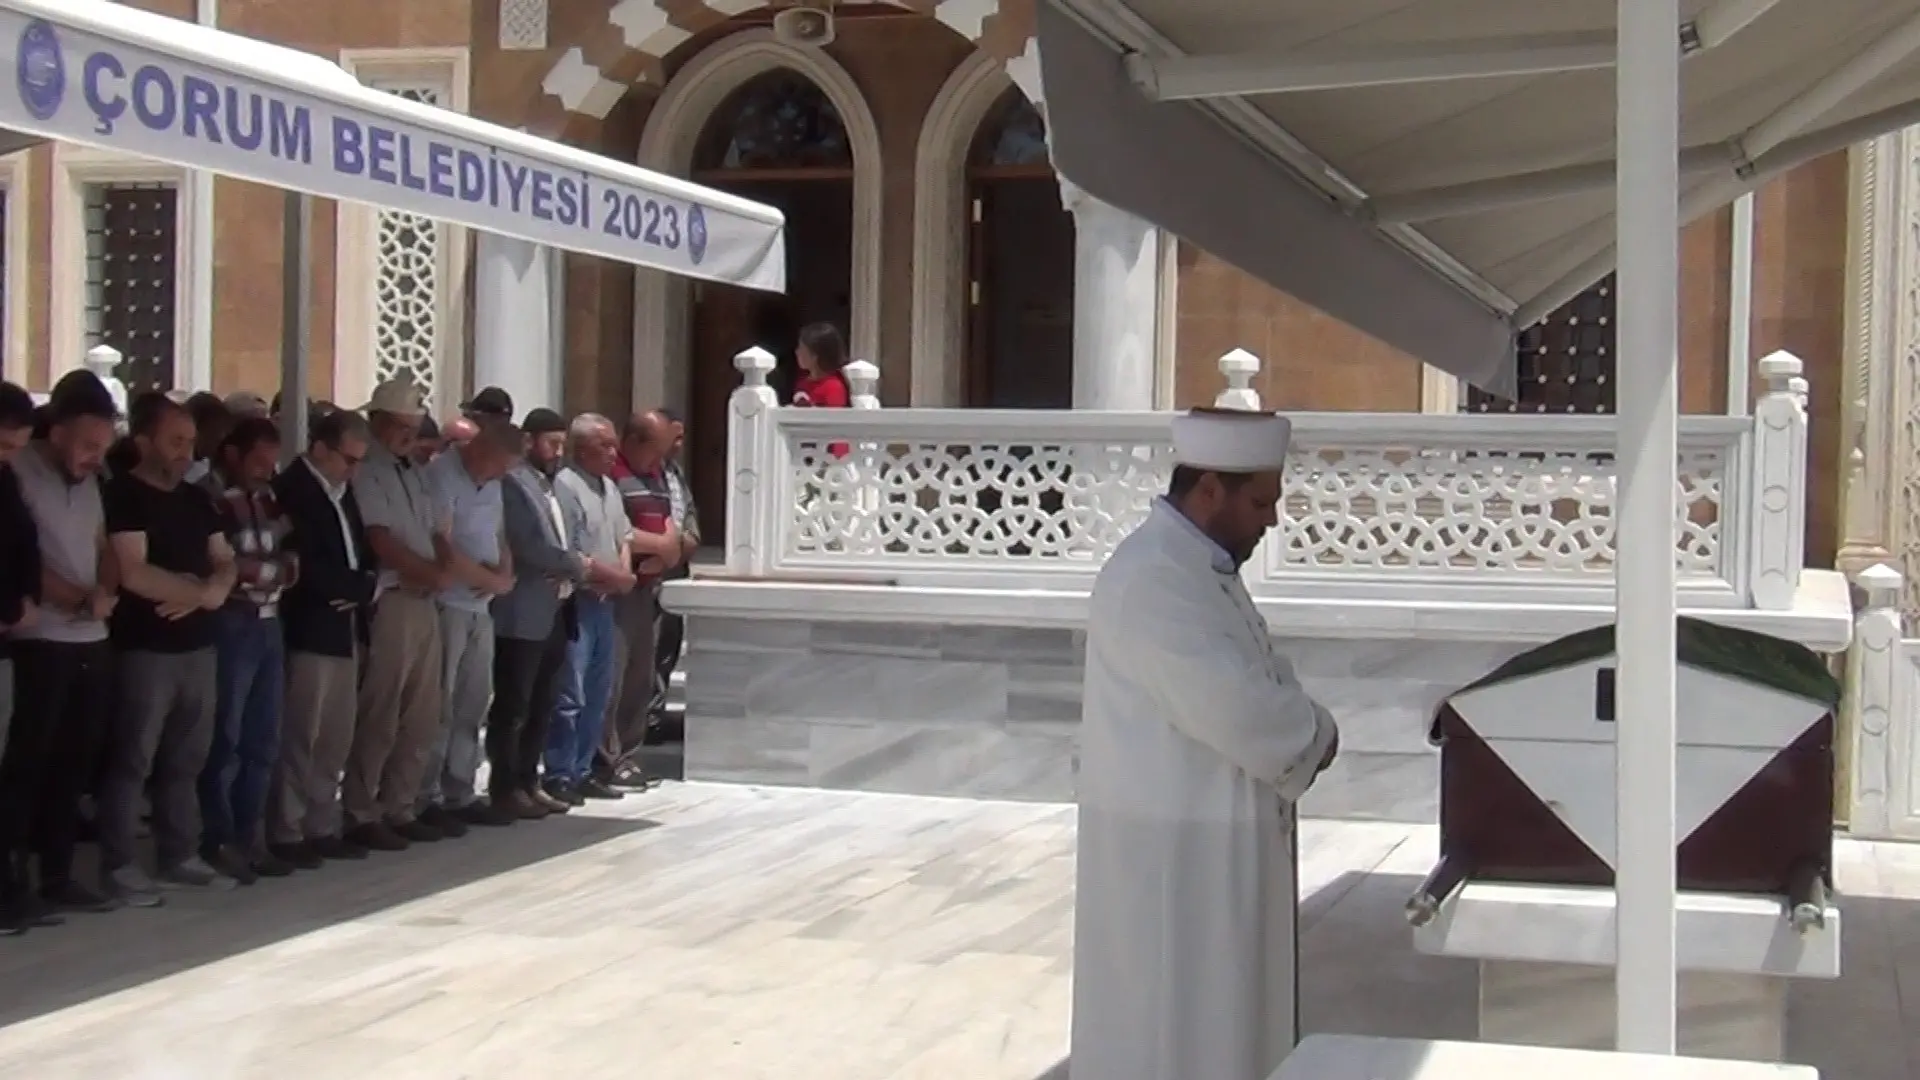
pixel 640 471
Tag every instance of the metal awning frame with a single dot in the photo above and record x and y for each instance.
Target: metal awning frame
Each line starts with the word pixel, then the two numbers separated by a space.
pixel 1712 174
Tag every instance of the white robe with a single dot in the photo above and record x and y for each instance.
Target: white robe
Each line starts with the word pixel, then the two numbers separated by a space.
pixel 1196 739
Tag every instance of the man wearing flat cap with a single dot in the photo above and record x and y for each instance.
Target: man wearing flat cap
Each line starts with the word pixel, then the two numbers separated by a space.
pixel 1196 741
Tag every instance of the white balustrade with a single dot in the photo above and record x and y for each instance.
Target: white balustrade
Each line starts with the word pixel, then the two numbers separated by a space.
pixel 1488 508
pixel 1779 485
pixel 1239 368
pixel 1874 674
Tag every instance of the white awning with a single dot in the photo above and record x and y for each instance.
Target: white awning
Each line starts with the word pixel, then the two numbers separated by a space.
pixel 117 78
pixel 1439 173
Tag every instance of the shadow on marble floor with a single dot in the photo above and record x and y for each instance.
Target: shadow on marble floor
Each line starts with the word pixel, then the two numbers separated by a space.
pixel 93 956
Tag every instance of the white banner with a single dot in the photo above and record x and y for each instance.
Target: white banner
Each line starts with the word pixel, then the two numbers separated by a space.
pixel 120 79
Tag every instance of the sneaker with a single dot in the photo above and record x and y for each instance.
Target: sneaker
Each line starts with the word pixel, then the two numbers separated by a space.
pixel 300 856
pixel 73 896
pixel 229 861
pixel 266 864
pixel 132 887
pixel 595 789
pixel 538 797
pixel 444 821
pixel 378 836
pixel 193 872
pixel 631 777
pixel 334 849
pixel 487 815
pixel 417 832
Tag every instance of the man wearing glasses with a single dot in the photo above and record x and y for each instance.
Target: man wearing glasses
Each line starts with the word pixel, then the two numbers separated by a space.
pixel 325 617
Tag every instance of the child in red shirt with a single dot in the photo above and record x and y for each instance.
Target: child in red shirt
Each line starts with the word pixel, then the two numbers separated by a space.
pixel 823 384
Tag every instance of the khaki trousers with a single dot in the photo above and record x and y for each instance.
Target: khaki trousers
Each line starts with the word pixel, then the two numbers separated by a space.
pixel 400 699
pixel 322 705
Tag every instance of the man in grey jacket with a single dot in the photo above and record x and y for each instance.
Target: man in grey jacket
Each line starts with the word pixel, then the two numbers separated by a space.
pixel 545 529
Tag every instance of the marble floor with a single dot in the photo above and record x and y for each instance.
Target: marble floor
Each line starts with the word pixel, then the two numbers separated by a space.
pixel 712 931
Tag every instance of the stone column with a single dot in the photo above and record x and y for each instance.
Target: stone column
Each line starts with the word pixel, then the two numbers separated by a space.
pixel 514 323
pixel 1116 304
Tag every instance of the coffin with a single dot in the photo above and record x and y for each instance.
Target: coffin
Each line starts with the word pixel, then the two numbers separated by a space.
pixel 1527 764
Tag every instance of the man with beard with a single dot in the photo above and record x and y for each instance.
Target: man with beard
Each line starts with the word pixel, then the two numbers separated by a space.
pixel 1196 741
pixel 178 569
pixel 532 624
pixel 251 652
pixel 62 660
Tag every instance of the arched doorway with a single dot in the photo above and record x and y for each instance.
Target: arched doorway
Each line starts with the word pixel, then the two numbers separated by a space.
pixel 1020 257
pixel 780 141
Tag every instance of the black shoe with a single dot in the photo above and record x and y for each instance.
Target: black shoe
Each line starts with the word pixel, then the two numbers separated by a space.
pixel 13 921
pixel 417 832
pixel 565 792
pixel 75 897
pixel 300 856
pixel 39 913
pixel 486 815
pixel 444 821
pixel 595 788
pixel 230 861
pixel 378 836
pixel 267 864
pixel 336 849
pixel 631 777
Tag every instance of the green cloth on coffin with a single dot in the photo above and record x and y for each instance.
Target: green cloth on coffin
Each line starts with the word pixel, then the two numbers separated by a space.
pixel 1786 666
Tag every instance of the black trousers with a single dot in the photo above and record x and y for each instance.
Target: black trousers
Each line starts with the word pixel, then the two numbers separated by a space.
pixel 62 701
pixel 526 686
pixel 669 634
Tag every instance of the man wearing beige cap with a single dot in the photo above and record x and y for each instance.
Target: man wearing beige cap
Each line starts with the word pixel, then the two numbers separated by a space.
pixel 400 692
pixel 1196 740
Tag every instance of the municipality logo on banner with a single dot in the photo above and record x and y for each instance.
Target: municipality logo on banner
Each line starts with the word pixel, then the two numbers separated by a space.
pixel 40 70
pixel 696 233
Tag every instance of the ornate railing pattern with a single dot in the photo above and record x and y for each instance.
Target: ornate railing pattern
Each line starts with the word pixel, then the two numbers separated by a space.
pixel 1374 503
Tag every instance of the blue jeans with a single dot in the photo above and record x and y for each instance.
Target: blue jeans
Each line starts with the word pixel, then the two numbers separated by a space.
pixel 586 687
pixel 248 699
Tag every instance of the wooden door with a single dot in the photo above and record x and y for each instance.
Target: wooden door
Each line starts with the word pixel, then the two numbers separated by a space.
pixel 723 324
pixel 1020 324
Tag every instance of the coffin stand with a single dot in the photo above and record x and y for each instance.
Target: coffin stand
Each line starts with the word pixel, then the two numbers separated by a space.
pixel 1524 882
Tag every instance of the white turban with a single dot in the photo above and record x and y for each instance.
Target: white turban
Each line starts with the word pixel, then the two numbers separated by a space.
pixel 1231 440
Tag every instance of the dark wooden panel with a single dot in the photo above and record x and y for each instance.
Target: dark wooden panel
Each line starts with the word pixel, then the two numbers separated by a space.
pixel 132 282
pixel 1565 362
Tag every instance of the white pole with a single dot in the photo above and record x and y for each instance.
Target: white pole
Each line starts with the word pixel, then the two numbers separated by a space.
pixel 1740 310
pixel 1648 129
pixel 199 359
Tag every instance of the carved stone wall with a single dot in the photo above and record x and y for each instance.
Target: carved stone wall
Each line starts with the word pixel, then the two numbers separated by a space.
pixel 1881 435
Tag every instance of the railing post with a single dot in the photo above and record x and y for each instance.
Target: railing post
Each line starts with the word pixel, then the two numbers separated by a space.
pixel 1867 718
pixel 1777 502
pixel 863 386
pixel 754 465
pixel 1239 367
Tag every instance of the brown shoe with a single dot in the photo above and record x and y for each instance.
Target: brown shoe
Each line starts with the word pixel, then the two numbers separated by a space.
pixel 547 802
pixel 521 805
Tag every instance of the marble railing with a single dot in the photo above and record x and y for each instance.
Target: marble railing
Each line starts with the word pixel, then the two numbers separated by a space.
pixel 1487 508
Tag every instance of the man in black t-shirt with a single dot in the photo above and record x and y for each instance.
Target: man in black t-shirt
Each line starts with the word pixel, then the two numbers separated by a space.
pixel 176 570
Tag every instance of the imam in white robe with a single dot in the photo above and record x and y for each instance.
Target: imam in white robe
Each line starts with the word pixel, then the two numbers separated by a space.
pixel 1196 740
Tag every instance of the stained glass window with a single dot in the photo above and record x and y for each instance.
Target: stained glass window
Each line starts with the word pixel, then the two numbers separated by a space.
pixel 1014 134
pixel 1564 362
pixel 780 120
